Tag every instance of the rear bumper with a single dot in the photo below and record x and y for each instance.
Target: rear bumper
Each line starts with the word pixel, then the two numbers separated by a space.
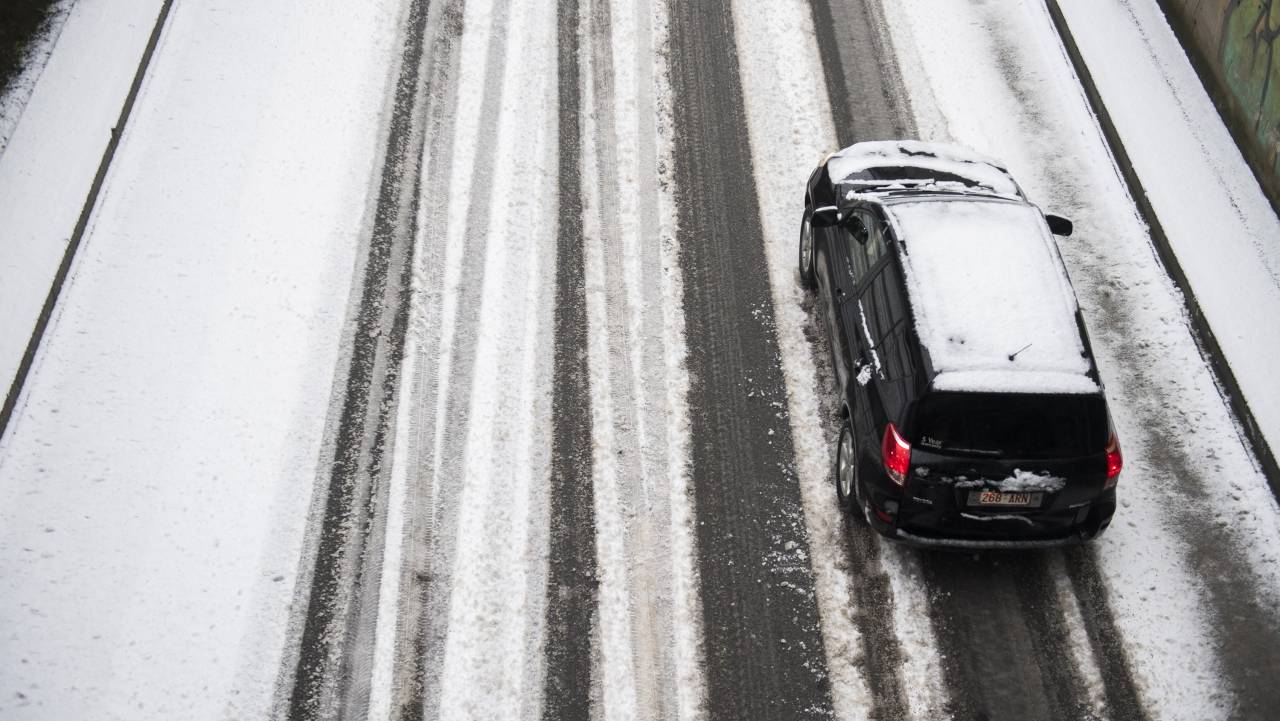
pixel 960 528
pixel 980 544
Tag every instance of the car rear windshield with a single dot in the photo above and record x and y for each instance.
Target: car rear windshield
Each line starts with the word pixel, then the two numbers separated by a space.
pixel 1011 424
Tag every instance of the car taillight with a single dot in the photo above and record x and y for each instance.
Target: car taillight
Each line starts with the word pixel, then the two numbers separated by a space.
pixel 896 453
pixel 1115 461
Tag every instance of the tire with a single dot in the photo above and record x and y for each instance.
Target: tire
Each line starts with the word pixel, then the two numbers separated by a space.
pixel 806 252
pixel 846 469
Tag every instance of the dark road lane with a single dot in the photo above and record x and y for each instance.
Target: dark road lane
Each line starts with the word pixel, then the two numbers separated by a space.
pixel 764 650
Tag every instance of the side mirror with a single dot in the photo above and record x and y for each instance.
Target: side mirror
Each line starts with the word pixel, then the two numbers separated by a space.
pixel 1058 225
pixel 827 216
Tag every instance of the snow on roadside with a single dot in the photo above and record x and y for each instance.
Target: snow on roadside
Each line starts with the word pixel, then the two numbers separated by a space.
pixel 15 96
pixel 1221 227
pixel 54 142
pixel 1015 97
pixel 155 480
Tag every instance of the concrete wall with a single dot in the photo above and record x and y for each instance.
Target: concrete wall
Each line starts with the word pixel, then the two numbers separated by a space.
pixel 1235 45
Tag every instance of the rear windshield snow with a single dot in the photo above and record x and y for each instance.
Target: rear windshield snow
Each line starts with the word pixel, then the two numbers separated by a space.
pixel 1011 424
pixel 920 160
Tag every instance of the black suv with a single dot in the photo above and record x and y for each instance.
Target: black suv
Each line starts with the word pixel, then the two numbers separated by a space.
pixel 973 413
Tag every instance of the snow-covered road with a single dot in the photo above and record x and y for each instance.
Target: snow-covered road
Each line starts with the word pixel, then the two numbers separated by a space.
pixel 447 360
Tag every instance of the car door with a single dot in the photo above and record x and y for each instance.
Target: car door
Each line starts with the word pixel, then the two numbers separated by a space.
pixel 864 313
pixel 841 262
pixel 893 342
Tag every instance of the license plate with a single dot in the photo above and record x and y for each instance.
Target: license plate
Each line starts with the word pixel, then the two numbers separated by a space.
pixel 998 498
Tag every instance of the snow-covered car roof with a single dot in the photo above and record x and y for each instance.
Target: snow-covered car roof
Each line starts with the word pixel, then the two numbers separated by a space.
pixel 864 166
pixel 992 302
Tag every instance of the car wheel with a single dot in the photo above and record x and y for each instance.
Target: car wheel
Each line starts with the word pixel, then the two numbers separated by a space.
pixel 846 471
pixel 807 279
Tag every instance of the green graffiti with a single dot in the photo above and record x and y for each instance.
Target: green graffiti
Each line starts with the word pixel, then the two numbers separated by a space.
pixel 1247 49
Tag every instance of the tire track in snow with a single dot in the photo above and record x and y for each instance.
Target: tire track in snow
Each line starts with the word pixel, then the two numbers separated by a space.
pixel 572 578
pixel 1123 701
pixel 1001 627
pixel 764 647
pixel 1042 606
pixel 427 509
pixel 860 69
pixel 334 655
pixel 873 604
pixel 473 37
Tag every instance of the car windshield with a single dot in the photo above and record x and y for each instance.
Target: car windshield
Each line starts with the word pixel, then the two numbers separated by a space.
pixel 1016 425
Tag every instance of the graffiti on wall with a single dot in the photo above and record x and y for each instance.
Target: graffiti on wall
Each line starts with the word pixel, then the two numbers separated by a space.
pixel 1247 49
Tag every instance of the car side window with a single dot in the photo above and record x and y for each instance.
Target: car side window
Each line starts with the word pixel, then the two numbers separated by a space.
pixel 855 237
pixel 874 248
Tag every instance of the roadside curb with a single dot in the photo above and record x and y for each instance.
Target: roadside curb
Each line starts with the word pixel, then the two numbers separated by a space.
pixel 1202 332
pixel 77 234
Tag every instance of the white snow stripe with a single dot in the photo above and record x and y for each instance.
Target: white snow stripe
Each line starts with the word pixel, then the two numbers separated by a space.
pixel 690 681
pixel 490 612
pixel 648 665
pixel 921 673
pixel 616 673
pixel 633 267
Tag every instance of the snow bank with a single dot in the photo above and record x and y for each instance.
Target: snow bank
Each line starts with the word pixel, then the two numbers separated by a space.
pixel 156 477
pixel 54 151
pixel 18 91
